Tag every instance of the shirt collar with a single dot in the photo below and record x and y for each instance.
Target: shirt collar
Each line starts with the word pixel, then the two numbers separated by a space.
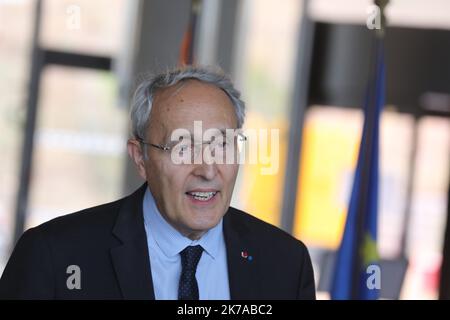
pixel 171 241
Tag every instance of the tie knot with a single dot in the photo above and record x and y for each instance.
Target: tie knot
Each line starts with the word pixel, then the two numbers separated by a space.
pixel 190 257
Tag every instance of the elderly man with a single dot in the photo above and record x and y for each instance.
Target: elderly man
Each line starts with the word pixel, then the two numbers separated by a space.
pixel 176 237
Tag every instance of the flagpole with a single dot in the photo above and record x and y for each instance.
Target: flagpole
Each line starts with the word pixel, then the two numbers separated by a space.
pixel 369 154
pixel 358 250
pixel 369 147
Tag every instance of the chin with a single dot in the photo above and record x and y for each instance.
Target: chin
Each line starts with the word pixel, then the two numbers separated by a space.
pixel 204 222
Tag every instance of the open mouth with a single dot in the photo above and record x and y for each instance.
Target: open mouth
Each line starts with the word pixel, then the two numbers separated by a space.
pixel 202 195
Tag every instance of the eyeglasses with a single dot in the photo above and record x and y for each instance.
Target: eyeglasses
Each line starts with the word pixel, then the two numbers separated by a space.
pixel 219 147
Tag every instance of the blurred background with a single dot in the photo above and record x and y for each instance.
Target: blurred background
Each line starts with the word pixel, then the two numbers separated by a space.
pixel 68 69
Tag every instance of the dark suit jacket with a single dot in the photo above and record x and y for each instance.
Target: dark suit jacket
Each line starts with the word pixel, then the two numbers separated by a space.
pixel 109 245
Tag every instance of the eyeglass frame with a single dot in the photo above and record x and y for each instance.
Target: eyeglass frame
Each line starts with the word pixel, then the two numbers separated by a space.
pixel 169 148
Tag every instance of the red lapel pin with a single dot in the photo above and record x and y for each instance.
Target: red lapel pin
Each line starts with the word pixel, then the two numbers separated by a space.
pixel 244 254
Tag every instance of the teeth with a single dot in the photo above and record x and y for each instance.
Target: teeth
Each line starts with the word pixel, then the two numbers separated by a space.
pixel 203 196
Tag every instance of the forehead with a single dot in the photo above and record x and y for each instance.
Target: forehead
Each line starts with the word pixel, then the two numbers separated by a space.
pixel 182 104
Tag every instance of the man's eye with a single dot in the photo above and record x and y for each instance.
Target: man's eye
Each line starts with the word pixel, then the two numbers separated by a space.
pixel 184 148
pixel 219 142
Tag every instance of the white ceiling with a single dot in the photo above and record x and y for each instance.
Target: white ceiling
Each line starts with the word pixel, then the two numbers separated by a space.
pixel 413 13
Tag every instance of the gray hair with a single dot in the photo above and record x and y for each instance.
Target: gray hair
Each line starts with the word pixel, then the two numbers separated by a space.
pixel 145 93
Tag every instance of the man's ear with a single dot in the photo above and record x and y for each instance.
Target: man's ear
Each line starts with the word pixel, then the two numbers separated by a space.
pixel 136 154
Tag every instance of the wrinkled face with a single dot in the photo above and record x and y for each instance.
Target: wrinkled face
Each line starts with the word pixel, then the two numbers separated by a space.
pixel 191 197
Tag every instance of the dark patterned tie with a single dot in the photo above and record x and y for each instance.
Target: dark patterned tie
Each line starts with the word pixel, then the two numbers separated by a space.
pixel 188 288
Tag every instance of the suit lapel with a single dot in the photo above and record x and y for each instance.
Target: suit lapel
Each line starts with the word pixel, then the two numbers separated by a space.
pixel 131 259
pixel 132 263
pixel 243 258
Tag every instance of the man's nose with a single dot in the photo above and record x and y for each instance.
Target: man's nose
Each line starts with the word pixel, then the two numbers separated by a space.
pixel 205 170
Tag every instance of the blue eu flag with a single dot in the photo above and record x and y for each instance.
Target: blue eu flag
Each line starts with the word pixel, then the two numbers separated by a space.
pixel 357 274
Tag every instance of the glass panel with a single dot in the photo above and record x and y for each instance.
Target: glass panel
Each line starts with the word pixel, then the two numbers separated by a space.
pixel 429 209
pixel 80 143
pixel 15 31
pixel 330 150
pixel 83 26
pixel 265 77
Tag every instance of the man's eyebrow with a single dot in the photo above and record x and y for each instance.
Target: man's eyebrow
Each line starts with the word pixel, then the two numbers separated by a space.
pixel 222 131
pixel 226 130
pixel 190 135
